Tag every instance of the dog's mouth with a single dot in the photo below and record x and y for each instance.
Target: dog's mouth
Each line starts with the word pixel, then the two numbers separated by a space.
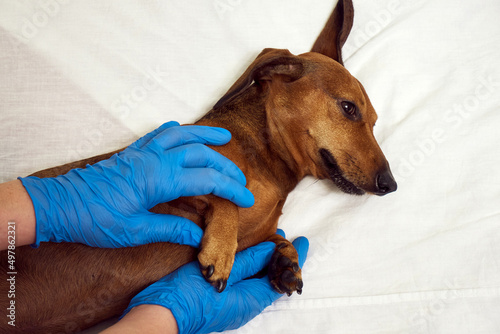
pixel 336 174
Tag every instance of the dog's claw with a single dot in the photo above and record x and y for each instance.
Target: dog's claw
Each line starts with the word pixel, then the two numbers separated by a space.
pixel 210 271
pixel 300 285
pixel 221 285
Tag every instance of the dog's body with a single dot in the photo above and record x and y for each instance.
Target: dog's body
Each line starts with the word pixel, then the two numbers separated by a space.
pixel 290 116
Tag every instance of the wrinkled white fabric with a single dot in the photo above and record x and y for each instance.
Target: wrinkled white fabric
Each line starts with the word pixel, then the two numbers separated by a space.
pixel 79 79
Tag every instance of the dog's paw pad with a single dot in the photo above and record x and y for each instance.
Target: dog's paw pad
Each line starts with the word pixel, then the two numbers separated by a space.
pixel 284 271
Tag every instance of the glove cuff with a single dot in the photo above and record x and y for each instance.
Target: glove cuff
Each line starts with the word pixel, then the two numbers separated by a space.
pixel 54 207
pixel 41 202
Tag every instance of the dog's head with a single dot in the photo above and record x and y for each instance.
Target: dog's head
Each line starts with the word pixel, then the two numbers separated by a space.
pixel 336 131
pixel 318 115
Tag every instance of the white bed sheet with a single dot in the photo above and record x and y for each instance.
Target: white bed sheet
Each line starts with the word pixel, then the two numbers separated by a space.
pixel 80 78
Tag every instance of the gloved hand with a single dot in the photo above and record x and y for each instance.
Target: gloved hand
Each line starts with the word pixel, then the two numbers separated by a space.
pixel 106 204
pixel 199 308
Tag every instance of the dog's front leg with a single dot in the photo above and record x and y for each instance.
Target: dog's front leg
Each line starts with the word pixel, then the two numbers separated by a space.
pixel 219 243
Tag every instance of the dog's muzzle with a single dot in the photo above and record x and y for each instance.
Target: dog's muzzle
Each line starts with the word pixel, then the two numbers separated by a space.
pixel 336 174
pixel 383 185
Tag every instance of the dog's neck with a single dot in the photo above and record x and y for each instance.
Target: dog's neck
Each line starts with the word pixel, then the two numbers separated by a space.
pixel 245 117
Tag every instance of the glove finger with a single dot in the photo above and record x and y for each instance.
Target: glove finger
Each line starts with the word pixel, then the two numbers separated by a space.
pixel 204 181
pixel 250 261
pixel 197 156
pixel 145 139
pixel 169 228
pixel 281 232
pixel 191 134
pixel 260 289
pixel 301 244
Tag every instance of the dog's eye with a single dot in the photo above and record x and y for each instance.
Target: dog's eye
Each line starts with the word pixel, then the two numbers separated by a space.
pixel 349 109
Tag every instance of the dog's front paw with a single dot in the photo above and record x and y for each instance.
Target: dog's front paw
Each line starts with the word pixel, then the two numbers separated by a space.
pixel 284 271
pixel 216 267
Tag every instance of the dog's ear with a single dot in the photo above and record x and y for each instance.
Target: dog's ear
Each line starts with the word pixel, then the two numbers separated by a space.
pixel 335 32
pixel 269 64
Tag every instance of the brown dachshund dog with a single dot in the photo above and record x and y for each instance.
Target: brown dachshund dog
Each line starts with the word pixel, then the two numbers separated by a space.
pixel 290 116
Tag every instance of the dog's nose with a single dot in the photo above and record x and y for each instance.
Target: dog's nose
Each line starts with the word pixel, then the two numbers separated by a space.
pixel 385 183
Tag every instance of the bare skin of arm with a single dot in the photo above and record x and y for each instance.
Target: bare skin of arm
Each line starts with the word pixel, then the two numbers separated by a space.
pixel 145 319
pixel 16 207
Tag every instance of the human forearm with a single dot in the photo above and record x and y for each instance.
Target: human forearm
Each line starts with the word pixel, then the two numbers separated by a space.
pixel 107 204
pixel 16 207
pixel 145 319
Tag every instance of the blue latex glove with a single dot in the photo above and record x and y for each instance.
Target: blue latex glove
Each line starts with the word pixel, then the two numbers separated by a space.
pixel 106 204
pixel 199 308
